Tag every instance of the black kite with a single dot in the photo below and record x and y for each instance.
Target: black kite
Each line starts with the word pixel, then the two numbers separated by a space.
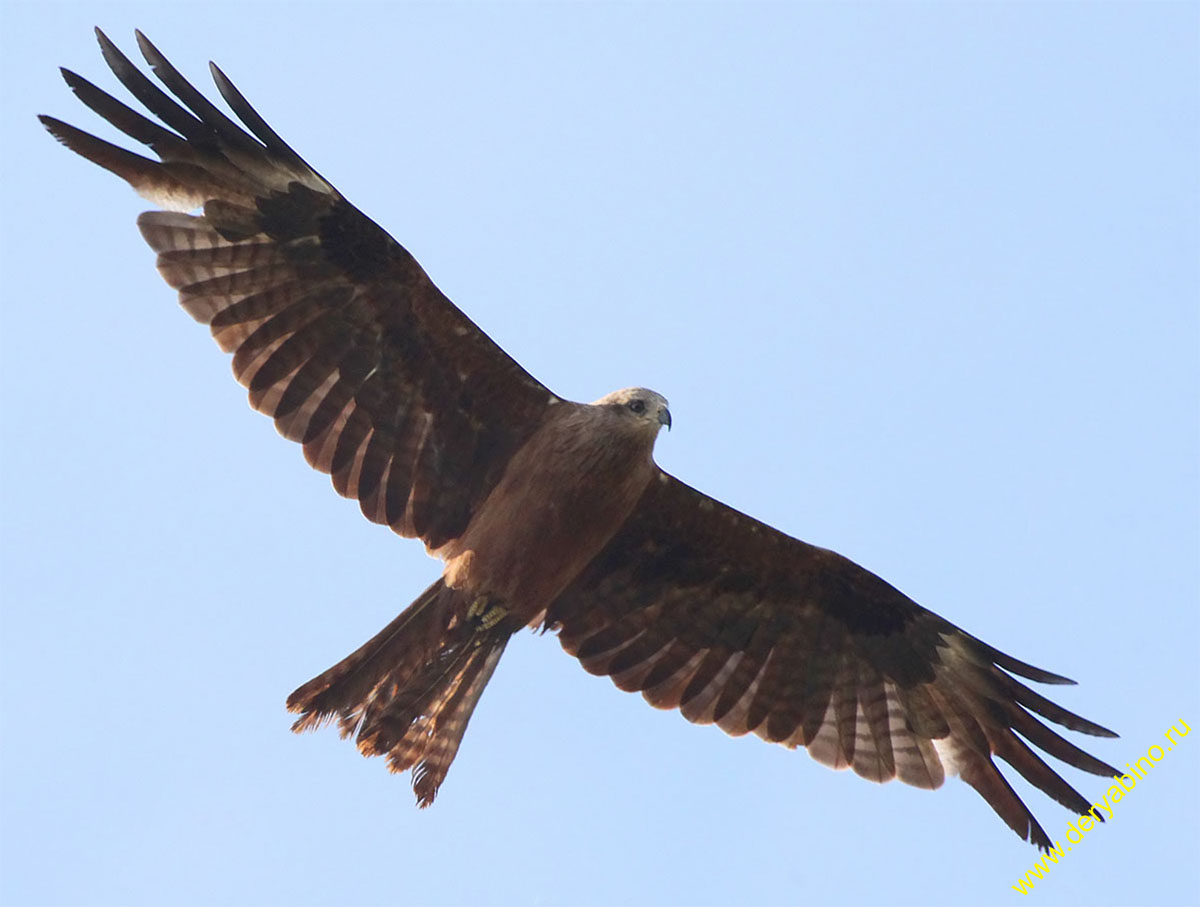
pixel 547 513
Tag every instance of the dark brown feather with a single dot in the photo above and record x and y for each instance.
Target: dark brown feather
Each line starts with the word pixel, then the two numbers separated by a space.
pixel 300 286
pixel 409 692
pixel 816 651
pixel 340 336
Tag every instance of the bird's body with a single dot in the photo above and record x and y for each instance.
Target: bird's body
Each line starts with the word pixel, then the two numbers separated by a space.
pixel 546 512
pixel 563 496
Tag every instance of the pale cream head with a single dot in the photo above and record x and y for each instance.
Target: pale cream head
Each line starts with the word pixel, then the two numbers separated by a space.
pixel 640 403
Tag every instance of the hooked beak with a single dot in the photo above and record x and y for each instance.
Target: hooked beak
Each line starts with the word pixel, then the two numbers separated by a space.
pixel 664 417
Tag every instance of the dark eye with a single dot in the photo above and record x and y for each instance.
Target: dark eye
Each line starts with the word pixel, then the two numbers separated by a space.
pixel 638 406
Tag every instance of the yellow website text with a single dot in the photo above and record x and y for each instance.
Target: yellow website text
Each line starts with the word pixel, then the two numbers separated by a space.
pixel 1102 809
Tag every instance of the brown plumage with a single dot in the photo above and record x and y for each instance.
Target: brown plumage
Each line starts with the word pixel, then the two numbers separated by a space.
pixel 546 512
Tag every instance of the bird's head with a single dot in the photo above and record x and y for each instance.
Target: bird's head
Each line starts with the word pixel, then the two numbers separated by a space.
pixel 640 404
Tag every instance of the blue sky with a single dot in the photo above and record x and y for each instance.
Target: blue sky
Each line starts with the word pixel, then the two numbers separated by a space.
pixel 920 281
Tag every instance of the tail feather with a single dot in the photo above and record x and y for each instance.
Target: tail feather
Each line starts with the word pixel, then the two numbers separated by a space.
pixel 395 653
pixel 433 740
pixel 409 692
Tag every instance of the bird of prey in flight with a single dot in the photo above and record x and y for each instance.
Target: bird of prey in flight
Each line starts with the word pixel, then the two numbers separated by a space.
pixel 546 513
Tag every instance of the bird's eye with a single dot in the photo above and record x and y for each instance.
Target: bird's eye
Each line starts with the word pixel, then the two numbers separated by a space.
pixel 638 406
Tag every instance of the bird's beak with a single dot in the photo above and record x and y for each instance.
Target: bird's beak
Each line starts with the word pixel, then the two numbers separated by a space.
pixel 664 417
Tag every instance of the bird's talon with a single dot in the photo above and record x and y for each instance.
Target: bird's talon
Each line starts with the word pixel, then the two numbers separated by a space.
pixel 485 613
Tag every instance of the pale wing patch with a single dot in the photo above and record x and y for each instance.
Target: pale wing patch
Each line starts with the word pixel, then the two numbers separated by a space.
pixel 700 708
pixel 667 693
pixel 917 761
pixel 826 746
pixel 945 750
pixel 169 195
pixel 735 722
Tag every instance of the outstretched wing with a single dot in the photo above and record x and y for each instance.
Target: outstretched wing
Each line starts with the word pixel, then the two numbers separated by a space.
pixel 335 330
pixel 701 608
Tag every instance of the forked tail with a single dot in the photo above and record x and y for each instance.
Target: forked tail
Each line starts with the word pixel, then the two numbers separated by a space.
pixel 410 691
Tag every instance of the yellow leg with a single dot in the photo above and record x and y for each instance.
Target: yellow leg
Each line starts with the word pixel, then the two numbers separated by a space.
pixel 487 614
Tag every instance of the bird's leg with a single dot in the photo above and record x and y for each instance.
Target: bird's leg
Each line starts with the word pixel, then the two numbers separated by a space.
pixel 485 612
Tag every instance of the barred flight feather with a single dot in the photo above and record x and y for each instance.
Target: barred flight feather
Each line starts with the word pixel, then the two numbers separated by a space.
pixel 833 659
pixel 550 510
